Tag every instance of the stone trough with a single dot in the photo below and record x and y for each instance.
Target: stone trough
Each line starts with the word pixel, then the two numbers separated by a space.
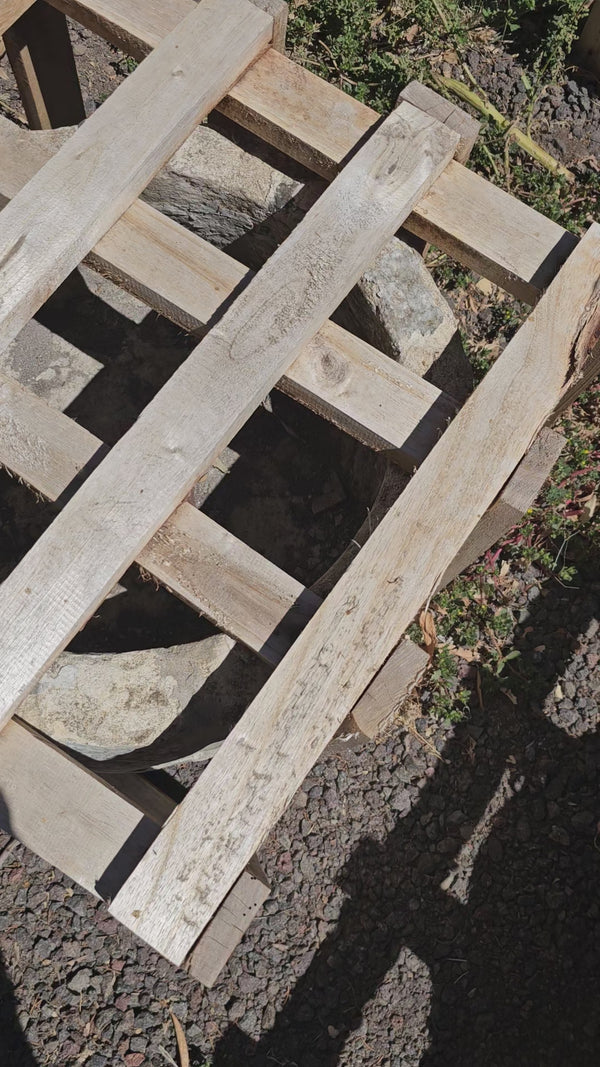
pixel 147 682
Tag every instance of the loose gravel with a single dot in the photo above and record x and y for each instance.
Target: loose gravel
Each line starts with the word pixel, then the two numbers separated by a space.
pixel 424 911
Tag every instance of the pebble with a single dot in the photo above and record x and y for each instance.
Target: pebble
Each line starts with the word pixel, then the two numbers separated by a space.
pixel 80 981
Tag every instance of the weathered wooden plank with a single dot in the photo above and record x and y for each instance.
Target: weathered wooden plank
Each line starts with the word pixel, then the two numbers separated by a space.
pixel 41 56
pixel 10 11
pixel 67 206
pixel 234 586
pixel 381 403
pixel 227 927
pixel 173 892
pixel 445 111
pixel 493 233
pixel 512 503
pixel 73 566
pixel 40 445
pixel 136 26
pixel 95 832
pixel 316 123
pixel 377 401
pixel 401 672
pixel 391 685
pixel 66 814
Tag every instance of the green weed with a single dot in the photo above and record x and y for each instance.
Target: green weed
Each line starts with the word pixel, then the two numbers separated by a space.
pixel 448 701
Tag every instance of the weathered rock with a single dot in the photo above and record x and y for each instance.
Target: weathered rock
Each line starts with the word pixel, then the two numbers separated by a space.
pixel 398 308
pixel 217 189
pixel 112 703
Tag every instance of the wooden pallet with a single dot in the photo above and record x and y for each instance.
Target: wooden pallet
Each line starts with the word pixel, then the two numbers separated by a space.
pixel 181 873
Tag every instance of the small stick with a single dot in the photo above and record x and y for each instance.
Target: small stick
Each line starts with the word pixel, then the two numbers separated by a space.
pixel 487 109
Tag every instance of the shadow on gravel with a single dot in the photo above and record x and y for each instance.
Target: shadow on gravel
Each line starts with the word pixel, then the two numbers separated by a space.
pixel 491 879
pixel 15 1050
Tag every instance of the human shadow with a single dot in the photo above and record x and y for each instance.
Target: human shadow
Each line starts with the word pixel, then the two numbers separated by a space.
pixel 15 1050
pixel 490 879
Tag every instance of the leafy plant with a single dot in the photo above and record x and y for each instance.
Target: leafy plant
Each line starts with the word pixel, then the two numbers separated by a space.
pixel 447 700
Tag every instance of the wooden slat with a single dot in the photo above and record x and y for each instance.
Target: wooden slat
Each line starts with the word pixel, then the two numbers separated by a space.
pixel 73 566
pixel 67 206
pixel 234 586
pixel 41 56
pixel 173 892
pixel 391 685
pixel 10 11
pixel 138 26
pixel 381 403
pixel 135 27
pixel 227 927
pixel 66 814
pixel 512 503
pixel 445 111
pixel 94 833
pixel 401 672
pixel 493 233
pixel 316 123
pixel 37 443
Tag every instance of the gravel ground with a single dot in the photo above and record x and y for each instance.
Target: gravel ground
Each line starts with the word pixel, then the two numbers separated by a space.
pixel 424 911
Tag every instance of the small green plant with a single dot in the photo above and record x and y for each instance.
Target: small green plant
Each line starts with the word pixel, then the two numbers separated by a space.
pixel 350 42
pixel 448 700
pixel 125 65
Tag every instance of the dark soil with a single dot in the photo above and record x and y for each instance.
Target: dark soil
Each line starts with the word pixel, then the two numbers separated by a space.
pixel 425 910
